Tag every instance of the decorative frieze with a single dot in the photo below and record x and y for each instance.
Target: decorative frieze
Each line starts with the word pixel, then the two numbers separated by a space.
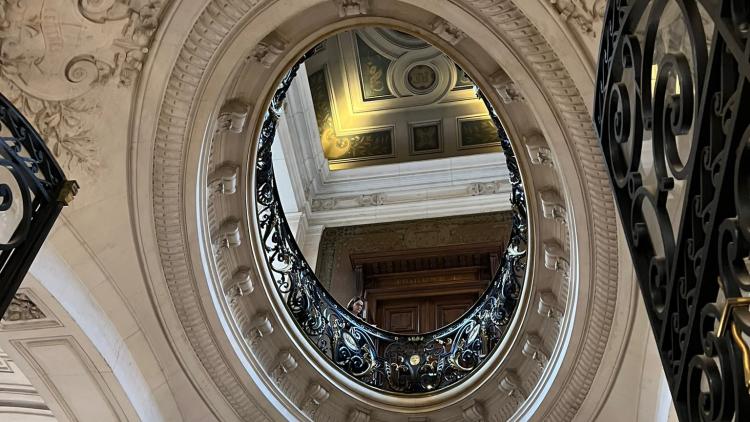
pixel 552 205
pixel 488 188
pixel 473 411
pixel 232 116
pixel 268 51
pixel 373 199
pixel 352 7
pixel 315 396
pixel 224 179
pixel 539 152
pixel 447 31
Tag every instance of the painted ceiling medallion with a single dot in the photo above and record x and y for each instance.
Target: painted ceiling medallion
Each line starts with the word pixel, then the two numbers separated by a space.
pixel 421 79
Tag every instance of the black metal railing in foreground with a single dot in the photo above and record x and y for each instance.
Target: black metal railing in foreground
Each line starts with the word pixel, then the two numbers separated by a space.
pixel 679 163
pixel 33 190
pixel 381 359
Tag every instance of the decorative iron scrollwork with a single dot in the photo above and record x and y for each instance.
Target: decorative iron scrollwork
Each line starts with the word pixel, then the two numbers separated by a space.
pixel 33 190
pixel 671 111
pixel 381 359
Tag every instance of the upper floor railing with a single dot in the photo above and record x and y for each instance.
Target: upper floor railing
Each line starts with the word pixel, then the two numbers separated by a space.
pixel 33 190
pixel 672 111
pixel 381 359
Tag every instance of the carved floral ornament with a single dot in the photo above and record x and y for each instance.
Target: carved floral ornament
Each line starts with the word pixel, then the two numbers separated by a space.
pixel 53 55
pixel 254 316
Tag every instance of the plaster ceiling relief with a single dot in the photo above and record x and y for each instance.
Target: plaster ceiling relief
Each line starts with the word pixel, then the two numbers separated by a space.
pixel 54 56
pixel 384 96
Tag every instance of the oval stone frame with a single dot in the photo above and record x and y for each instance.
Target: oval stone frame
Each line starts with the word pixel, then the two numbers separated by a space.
pixel 241 350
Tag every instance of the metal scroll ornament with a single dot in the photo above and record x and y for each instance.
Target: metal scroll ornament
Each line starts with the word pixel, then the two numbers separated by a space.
pixel 378 358
pixel 33 190
pixel 672 111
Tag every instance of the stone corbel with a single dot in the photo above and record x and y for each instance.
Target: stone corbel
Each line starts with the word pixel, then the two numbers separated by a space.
pixel 229 233
pixel 506 88
pixel 352 7
pixel 547 306
pixel 287 363
pixel 260 327
pixel 224 179
pixel 539 152
pixel 510 386
pixel 532 349
pixel 447 31
pixel 555 258
pixel 241 283
pixel 473 411
pixel 232 116
pixel 359 415
pixel 552 205
pixel 316 395
pixel 269 50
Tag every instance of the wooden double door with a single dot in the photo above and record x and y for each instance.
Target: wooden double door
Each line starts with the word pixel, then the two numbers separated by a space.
pixel 412 315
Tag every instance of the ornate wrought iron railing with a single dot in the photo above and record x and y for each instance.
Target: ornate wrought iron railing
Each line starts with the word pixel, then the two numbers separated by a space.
pixel 672 111
pixel 33 190
pixel 381 359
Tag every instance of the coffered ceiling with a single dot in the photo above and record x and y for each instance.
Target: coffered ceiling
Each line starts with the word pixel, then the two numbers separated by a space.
pixel 383 96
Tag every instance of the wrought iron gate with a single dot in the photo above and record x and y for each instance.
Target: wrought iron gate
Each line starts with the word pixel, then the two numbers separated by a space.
pixel 33 190
pixel 672 111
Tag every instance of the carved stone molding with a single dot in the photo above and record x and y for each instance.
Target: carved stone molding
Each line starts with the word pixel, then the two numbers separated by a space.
pixel 224 179
pixel 539 152
pixel 268 51
pixel 547 306
pixel 240 284
pixel 506 19
pixel 505 87
pixel 286 364
pixel 229 233
pixel 532 349
pixel 510 386
pixel 232 116
pixel 473 411
pixel 359 415
pixel 315 396
pixel 552 205
pixel 22 308
pixel 488 188
pixel 260 326
pixel 51 60
pixel 555 258
pixel 582 15
pixel 352 7
pixel 447 31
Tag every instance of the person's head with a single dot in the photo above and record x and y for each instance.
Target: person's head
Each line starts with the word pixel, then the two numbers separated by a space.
pixel 356 306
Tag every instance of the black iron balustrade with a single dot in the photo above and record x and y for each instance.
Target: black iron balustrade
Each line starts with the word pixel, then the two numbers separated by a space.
pixel 381 359
pixel 672 111
pixel 33 190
